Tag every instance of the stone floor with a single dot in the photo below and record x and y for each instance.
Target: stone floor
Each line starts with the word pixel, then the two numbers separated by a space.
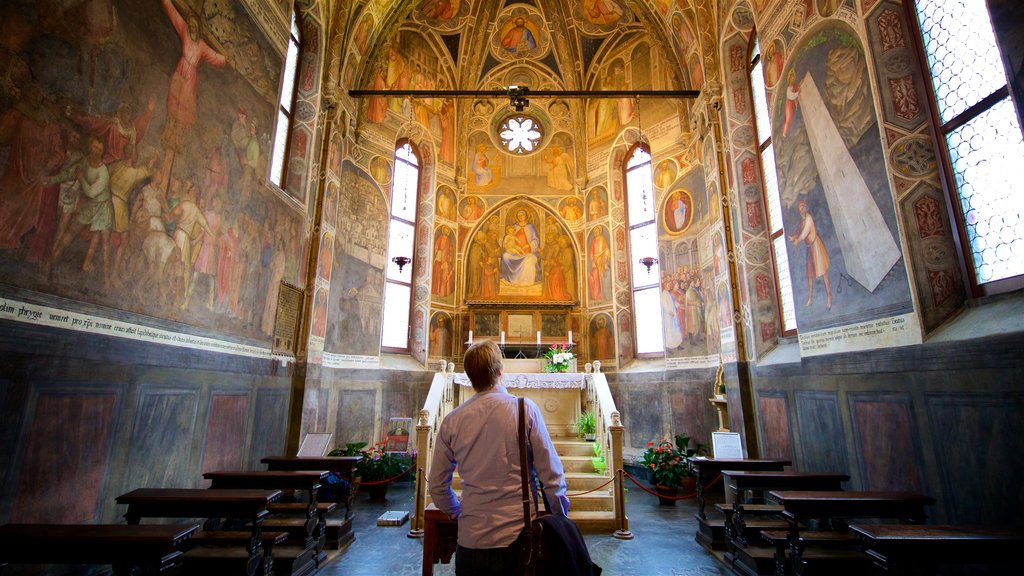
pixel 663 544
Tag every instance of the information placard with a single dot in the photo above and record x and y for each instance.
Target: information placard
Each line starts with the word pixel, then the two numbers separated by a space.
pixel 726 445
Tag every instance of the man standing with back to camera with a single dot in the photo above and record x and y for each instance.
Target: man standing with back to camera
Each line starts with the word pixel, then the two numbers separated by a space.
pixel 481 438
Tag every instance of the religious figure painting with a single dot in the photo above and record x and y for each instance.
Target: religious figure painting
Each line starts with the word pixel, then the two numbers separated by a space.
pixel 409 63
pixel 665 173
pixel 677 212
pixel 443 14
pixel 484 164
pixel 442 275
pixel 127 180
pixel 446 202
pixel 601 16
pixel 472 208
pixel 597 203
pixel 608 115
pixel 441 335
pixel 845 261
pixel 570 209
pixel 523 253
pixel 602 337
pixel 684 308
pixel 519 35
pixel 550 170
pixel 599 261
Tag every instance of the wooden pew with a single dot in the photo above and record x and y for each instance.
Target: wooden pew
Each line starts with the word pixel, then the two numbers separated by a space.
pixel 306 550
pixel 440 536
pixel 213 504
pixel 711 531
pixel 751 513
pixel 129 549
pixel 338 530
pixel 835 551
pixel 919 549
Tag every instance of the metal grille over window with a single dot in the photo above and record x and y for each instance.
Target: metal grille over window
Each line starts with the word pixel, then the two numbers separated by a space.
pixel 981 130
pixel 520 134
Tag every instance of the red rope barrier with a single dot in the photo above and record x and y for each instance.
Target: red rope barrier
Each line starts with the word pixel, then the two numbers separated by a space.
pixel 683 497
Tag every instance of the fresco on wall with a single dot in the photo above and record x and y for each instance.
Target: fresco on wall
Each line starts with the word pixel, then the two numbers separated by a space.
pixel 442 14
pixel 684 308
pixel 601 16
pixel 676 212
pixel 602 337
pixel 446 202
pixel 845 262
pixel 132 157
pixel 441 334
pixel 570 209
pixel 357 286
pixel 599 259
pixel 522 253
pixel 597 203
pixel 665 173
pixel 686 41
pixel 409 63
pixel 472 208
pixel 520 34
pixel 607 115
pixel 442 271
pixel 551 170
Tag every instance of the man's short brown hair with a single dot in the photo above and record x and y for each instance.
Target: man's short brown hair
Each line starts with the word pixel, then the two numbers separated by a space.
pixel 483 365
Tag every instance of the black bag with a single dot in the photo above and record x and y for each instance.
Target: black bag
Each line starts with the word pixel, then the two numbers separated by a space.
pixel 552 544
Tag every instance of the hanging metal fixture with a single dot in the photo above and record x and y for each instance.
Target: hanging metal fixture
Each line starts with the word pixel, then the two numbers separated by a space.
pixel 402 261
pixel 517 99
pixel 648 261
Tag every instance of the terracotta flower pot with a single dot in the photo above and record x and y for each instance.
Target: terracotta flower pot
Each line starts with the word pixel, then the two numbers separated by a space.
pixel 666 494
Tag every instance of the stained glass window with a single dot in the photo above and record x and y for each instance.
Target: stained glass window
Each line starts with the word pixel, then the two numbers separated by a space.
pixel 982 133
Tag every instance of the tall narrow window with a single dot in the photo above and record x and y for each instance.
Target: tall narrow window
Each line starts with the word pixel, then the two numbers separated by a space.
pixel 780 259
pixel 284 106
pixel 394 334
pixel 983 148
pixel 643 243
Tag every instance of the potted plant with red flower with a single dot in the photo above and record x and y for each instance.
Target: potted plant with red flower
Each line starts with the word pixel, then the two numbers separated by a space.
pixel 670 467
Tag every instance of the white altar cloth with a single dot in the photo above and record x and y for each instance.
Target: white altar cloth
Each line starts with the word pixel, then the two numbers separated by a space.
pixel 542 380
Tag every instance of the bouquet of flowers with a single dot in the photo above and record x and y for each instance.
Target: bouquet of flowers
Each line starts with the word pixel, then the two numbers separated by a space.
pixel 559 358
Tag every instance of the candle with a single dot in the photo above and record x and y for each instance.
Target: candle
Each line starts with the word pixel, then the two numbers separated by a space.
pixel 570 337
pixel 502 337
pixel 470 336
pixel 538 337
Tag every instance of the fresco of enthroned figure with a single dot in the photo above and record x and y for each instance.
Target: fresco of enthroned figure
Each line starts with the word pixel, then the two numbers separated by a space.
pixel 520 255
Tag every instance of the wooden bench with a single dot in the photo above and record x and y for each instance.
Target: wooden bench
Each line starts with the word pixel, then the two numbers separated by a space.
pixel 129 549
pixel 217 551
pixel 711 531
pixel 750 486
pixel 919 549
pixel 338 530
pixel 833 550
pixel 213 504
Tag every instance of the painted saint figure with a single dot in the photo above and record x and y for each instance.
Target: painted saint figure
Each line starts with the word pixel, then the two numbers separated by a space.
pixel 520 264
pixel 181 94
pixel 817 255
pixel 519 37
pixel 481 166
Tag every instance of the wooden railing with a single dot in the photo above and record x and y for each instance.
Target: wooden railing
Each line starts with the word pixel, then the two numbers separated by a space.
pixel 609 434
pixel 440 401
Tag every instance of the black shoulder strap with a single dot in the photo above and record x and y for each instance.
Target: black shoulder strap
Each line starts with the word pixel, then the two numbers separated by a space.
pixel 523 463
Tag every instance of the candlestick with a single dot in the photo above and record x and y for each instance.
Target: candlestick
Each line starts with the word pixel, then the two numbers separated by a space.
pixel 502 337
pixel 538 337
pixel 470 336
pixel 570 337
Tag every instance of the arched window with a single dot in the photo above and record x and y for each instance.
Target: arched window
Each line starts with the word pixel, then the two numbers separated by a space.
pixel 405 193
pixel 981 144
pixel 770 186
pixel 643 243
pixel 285 106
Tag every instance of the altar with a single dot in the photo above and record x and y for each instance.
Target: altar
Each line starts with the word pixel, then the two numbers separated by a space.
pixel 559 395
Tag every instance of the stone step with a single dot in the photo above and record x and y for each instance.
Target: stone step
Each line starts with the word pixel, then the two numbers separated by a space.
pixel 593 521
pixel 574 481
pixel 574 447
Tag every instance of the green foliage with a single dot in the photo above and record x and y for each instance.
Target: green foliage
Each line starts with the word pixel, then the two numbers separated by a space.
pixel 585 424
pixel 379 464
pixel 351 449
pixel 669 463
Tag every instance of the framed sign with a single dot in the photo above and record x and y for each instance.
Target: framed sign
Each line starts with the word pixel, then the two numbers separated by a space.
pixel 726 445
pixel 315 444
